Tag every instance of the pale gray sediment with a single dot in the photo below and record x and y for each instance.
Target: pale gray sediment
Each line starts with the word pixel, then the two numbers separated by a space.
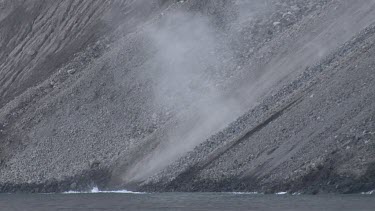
pixel 104 95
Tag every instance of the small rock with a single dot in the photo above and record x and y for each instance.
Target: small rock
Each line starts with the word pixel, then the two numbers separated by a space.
pixel 71 71
pixel 94 164
pixel 73 186
pixel 154 116
pixel 287 14
pixel 295 8
pixel 31 52
pixel 276 23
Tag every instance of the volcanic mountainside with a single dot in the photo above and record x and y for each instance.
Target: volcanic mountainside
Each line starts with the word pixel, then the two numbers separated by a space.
pixel 193 95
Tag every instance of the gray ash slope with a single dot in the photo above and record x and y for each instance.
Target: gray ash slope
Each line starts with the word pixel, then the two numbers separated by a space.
pixel 300 144
pixel 209 95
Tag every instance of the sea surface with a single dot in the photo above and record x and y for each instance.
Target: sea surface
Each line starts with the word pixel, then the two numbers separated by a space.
pixel 124 200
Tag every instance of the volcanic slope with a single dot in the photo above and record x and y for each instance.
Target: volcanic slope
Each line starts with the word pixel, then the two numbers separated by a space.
pixel 191 95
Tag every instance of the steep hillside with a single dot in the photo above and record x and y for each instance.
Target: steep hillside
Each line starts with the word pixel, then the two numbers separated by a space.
pixel 314 135
pixel 187 95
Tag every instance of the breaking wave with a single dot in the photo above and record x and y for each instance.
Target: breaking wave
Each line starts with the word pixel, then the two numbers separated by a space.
pixel 369 192
pixel 96 190
pixel 245 193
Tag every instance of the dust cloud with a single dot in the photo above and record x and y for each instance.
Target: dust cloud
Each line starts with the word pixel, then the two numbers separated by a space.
pixel 192 60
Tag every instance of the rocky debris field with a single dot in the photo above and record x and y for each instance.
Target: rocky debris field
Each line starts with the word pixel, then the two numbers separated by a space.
pixel 286 143
pixel 215 95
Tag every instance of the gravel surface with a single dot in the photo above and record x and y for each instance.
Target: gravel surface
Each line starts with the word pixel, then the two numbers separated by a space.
pixel 192 95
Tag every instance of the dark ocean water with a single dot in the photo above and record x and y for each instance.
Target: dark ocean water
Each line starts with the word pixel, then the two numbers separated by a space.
pixel 184 201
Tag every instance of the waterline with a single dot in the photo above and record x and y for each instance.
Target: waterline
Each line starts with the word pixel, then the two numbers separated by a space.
pixel 96 190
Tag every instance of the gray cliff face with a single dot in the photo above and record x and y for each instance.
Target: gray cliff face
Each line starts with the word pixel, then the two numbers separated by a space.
pixel 191 95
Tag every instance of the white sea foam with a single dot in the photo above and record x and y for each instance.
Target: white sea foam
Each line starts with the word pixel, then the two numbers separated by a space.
pixel 96 190
pixel 281 193
pixel 245 193
pixel 369 192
